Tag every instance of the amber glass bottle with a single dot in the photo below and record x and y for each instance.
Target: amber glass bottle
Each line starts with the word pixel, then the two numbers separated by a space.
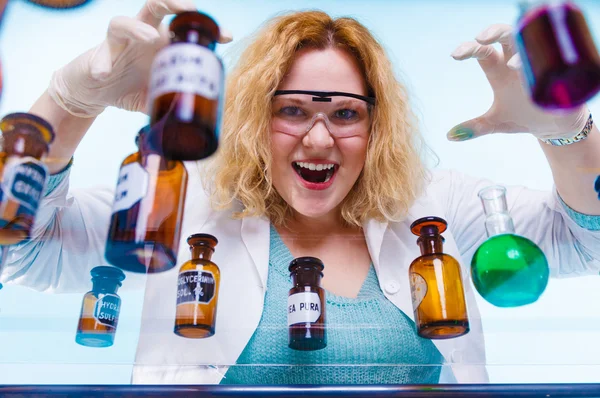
pixel 436 284
pixel 198 290
pixel 186 86
pixel 306 305
pixel 100 308
pixel 145 226
pixel 25 143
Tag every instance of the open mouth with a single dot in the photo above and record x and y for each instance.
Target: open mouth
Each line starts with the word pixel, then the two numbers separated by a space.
pixel 315 173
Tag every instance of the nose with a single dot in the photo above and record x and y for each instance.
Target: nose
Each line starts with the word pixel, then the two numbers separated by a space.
pixel 318 136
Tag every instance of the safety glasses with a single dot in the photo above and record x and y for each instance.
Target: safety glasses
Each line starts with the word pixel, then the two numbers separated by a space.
pixel 295 112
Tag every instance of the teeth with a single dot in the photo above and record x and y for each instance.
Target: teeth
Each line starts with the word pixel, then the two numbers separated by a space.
pixel 313 166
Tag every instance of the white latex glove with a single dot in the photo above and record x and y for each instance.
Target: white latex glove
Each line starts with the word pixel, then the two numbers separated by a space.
pixel 512 110
pixel 117 71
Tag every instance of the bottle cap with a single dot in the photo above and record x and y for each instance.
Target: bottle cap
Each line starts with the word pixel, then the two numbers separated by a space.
pixel 143 131
pixel 306 264
pixel 202 240
pixel 108 272
pixel 197 21
pixel 429 226
pixel 29 123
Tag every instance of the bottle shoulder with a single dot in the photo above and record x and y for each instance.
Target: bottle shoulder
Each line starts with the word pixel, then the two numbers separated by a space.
pixel 132 158
pixel 432 259
pixel 508 239
pixel 200 265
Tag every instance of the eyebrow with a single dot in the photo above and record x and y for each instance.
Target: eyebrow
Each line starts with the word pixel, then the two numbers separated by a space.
pixel 325 96
pixel 298 101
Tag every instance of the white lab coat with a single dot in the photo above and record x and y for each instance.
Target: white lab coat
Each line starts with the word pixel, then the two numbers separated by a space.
pixel 71 230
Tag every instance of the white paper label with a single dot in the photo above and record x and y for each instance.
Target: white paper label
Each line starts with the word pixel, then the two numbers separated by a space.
pixel 24 181
pixel 418 289
pixel 106 310
pixel 187 68
pixel 304 307
pixel 131 187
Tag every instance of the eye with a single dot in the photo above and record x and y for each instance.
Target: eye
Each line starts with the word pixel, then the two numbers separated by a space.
pixel 346 114
pixel 291 111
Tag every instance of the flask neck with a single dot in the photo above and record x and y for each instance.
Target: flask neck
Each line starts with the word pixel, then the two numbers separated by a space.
pixel 202 252
pixel 431 244
pixel 497 219
pixel 497 224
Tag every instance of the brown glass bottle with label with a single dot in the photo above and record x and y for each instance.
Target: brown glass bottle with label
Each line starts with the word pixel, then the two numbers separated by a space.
pixel 186 87
pixel 25 143
pixel 100 308
pixel 306 305
pixel 198 290
pixel 145 226
pixel 436 284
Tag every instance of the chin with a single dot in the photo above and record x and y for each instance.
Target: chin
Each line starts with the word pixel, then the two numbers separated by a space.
pixel 313 209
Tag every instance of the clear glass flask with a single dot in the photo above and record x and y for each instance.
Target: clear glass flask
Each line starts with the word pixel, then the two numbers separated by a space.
pixel 508 270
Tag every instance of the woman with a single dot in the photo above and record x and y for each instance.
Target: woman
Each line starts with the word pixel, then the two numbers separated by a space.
pixel 267 206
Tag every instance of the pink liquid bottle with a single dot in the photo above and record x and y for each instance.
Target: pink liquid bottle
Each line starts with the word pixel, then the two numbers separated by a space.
pixel 560 61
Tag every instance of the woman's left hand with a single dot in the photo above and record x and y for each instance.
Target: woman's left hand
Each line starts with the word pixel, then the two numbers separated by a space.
pixel 512 110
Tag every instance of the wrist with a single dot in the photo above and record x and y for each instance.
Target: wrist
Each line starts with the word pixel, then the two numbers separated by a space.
pixel 58 90
pixel 580 136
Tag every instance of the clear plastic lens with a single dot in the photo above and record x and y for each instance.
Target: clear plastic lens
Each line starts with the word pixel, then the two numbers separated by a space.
pixel 296 114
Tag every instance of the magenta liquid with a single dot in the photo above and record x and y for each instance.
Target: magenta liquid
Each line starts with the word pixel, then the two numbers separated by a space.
pixel 560 61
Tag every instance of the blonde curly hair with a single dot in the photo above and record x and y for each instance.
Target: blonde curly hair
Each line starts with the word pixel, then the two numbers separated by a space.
pixel 394 173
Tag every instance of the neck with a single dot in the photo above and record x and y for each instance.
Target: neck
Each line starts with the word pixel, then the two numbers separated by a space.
pixel 329 224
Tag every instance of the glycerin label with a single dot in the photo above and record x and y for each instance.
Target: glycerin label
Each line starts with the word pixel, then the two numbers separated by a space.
pixel 107 309
pixel 131 186
pixel 187 68
pixel 24 182
pixel 304 307
pixel 195 287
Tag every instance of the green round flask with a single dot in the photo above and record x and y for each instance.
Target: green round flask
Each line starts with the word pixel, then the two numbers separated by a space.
pixel 508 270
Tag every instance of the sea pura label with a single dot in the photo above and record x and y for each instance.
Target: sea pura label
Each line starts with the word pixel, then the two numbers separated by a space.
pixel 418 289
pixel 195 287
pixel 107 309
pixel 304 307
pixel 131 186
pixel 188 68
pixel 24 182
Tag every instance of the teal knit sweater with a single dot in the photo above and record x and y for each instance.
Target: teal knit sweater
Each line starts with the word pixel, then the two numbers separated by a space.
pixel 369 340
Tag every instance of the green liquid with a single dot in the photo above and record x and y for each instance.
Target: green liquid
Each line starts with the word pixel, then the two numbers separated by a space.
pixel 509 270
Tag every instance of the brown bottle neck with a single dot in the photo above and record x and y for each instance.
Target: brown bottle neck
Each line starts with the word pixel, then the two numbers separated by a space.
pixel 194 36
pixel 24 144
pixel 155 162
pixel 431 245
pixel 306 279
pixel 202 252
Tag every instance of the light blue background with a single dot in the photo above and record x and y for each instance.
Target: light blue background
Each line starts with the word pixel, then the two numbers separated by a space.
pixel 554 340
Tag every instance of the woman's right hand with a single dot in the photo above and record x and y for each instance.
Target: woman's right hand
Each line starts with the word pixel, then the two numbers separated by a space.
pixel 116 72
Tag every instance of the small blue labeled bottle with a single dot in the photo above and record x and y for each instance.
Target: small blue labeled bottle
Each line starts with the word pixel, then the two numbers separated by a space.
pixel 100 308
